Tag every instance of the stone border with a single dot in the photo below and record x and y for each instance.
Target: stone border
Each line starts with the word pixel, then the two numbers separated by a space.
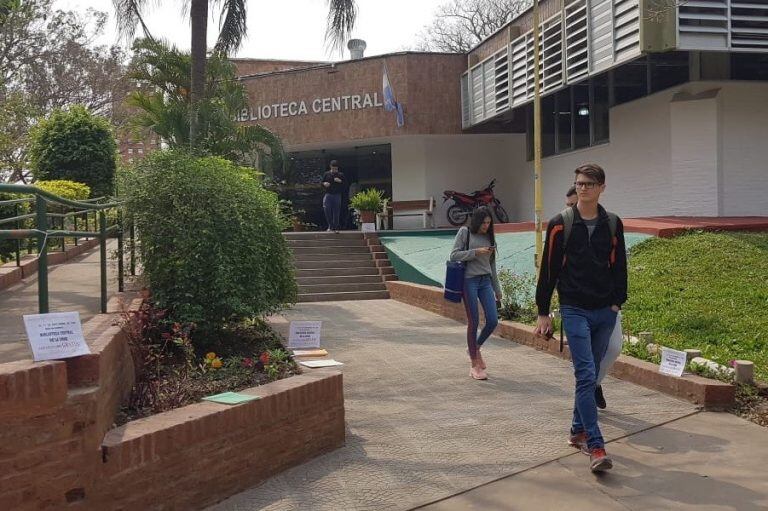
pixel 711 394
pixel 10 274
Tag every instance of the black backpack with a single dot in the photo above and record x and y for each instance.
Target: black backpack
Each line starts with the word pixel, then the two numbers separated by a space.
pixel 613 222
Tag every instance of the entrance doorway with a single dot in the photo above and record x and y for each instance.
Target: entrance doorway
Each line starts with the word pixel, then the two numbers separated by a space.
pixel 363 167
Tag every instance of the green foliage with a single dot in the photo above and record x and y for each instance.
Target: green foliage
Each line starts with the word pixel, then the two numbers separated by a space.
pixel 518 302
pixel 164 104
pixel 720 373
pixel 705 291
pixel 210 240
pixel 368 200
pixel 76 145
pixel 71 190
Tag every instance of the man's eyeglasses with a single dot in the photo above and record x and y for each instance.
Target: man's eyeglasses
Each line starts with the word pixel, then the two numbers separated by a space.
pixel 588 185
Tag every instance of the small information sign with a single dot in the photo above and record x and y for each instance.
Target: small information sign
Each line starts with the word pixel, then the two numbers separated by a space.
pixel 672 362
pixel 304 334
pixel 55 335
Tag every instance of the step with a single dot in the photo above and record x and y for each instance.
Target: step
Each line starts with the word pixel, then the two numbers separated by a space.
pixel 341 288
pixel 323 236
pixel 342 259
pixel 336 272
pixel 338 279
pixel 338 297
pixel 335 249
pixel 323 263
pixel 297 243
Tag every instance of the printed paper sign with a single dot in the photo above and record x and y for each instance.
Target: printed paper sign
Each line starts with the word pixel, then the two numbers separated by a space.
pixel 369 227
pixel 55 335
pixel 672 362
pixel 320 363
pixel 304 334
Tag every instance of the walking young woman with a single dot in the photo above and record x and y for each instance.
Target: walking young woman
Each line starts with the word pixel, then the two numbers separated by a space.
pixel 476 247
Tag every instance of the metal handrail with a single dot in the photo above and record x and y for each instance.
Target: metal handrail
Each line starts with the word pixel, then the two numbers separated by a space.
pixel 42 233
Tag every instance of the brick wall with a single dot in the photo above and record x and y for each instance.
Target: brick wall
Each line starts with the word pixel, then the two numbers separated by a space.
pixel 247 67
pixel 58 448
pixel 426 84
pixel 711 394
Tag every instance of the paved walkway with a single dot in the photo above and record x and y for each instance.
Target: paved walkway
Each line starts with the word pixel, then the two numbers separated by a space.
pixel 420 430
pixel 73 286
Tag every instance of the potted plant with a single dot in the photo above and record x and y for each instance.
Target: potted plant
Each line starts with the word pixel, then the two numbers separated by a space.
pixel 368 203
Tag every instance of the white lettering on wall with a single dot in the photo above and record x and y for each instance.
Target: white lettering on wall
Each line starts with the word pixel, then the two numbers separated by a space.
pixel 318 105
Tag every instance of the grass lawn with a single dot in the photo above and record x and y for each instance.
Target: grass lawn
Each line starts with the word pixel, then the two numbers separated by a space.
pixel 703 290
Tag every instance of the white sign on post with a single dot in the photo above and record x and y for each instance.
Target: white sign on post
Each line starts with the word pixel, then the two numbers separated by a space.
pixel 369 227
pixel 672 362
pixel 55 335
pixel 304 334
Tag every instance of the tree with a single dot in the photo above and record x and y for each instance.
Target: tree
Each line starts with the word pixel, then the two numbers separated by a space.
pixel 17 116
pixel 460 25
pixel 232 30
pixel 74 144
pixel 162 105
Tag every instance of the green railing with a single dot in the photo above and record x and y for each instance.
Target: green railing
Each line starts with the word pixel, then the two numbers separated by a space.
pixel 47 223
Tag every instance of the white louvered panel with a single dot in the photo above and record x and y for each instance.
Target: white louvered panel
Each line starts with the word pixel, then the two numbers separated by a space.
pixel 519 74
pixel 466 110
pixel 576 41
pixel 489 79
pixel 501 74
pixel 552 53
pixel 626 30
pixel 600 35
pixel 749 25
pixel 703 24
pixel 476 78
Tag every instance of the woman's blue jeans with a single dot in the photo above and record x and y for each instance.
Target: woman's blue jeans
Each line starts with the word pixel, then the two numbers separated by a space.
pixel 479 289
pixel 588 333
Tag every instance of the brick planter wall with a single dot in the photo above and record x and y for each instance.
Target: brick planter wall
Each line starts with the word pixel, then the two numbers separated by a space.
pixel 58 449
pixel 711 394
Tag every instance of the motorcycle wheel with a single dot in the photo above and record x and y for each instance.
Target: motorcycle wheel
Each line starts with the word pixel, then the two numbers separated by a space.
pixel 501 214
pixel 457 215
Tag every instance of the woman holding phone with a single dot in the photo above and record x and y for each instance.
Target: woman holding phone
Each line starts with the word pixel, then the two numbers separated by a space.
pixel 475 245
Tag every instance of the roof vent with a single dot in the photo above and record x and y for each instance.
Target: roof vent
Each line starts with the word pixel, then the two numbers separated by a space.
pixel 356 48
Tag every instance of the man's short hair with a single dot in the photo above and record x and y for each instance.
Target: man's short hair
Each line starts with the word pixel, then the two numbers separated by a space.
pixel 334 163
pixel 592 170
pixel 571 191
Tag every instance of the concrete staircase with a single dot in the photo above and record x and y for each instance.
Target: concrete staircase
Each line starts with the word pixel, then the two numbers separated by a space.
pixel 343 266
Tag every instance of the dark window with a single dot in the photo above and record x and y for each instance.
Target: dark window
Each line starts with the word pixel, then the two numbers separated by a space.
pixel 564 117
pixel 581 115
pixel 668 70
pixel 630 81
pixel 749 66
pixel 548 125
pixel 599 109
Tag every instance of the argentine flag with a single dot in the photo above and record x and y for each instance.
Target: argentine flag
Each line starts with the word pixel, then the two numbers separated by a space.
pixel 390 104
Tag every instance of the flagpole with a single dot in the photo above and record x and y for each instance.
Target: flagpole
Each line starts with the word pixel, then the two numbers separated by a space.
pixel 538 206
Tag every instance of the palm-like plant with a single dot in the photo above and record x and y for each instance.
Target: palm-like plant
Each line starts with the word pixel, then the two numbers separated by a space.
pixel 163 105
pixel 232 30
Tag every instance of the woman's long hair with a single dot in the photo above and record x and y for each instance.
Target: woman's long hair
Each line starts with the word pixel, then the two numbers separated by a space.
pixel 476 221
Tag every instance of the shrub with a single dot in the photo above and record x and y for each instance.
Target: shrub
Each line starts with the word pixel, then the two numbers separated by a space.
pixel 210 240
pixel 368 200
pixel 518 302
pixel 74 144
pixel 71 190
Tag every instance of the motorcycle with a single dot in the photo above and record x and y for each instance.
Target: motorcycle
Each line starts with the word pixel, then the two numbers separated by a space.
pixel 464 204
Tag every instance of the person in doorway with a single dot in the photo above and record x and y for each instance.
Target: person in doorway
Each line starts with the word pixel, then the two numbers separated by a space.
pixel 617 337
pixel 588 265
pixel 571 197
pixel 476 246
pixel 333 183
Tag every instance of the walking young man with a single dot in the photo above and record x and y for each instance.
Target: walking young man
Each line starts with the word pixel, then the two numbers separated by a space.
pixel 333 182
pixel 589 269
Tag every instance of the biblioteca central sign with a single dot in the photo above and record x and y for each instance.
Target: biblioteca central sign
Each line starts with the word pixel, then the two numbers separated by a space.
pixel 314 106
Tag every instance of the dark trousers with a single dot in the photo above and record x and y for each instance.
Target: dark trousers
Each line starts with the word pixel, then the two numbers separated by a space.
pixel 332 209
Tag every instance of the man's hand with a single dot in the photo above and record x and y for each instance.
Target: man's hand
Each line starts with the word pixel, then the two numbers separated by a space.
pixel 543 326
pixel 337 179
pixel 615 308
pixel 326 184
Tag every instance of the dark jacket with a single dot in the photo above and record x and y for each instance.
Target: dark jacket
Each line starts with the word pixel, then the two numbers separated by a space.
pixel 335 188
pixel 592 274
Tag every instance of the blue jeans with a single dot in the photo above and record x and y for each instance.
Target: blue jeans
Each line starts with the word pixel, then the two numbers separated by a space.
pixel 588 333
pixel 479 289
pixel 332 209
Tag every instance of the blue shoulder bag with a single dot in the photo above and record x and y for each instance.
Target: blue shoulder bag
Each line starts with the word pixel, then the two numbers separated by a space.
pixel 454 277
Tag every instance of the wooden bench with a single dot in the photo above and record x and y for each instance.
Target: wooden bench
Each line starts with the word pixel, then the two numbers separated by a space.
pixel 406 208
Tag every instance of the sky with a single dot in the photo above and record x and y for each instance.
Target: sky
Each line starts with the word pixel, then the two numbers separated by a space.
pixel 287 29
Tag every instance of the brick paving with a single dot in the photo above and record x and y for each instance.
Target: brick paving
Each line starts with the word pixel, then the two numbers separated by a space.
pixel 419 429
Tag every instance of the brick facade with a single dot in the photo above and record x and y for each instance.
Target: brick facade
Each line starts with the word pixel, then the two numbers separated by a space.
pixel 246 67
pixel 426 84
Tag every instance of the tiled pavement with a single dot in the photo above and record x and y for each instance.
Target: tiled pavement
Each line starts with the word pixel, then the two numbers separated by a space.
pixel 419 429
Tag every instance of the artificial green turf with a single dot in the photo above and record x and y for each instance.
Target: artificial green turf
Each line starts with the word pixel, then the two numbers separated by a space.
pixel 703 290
